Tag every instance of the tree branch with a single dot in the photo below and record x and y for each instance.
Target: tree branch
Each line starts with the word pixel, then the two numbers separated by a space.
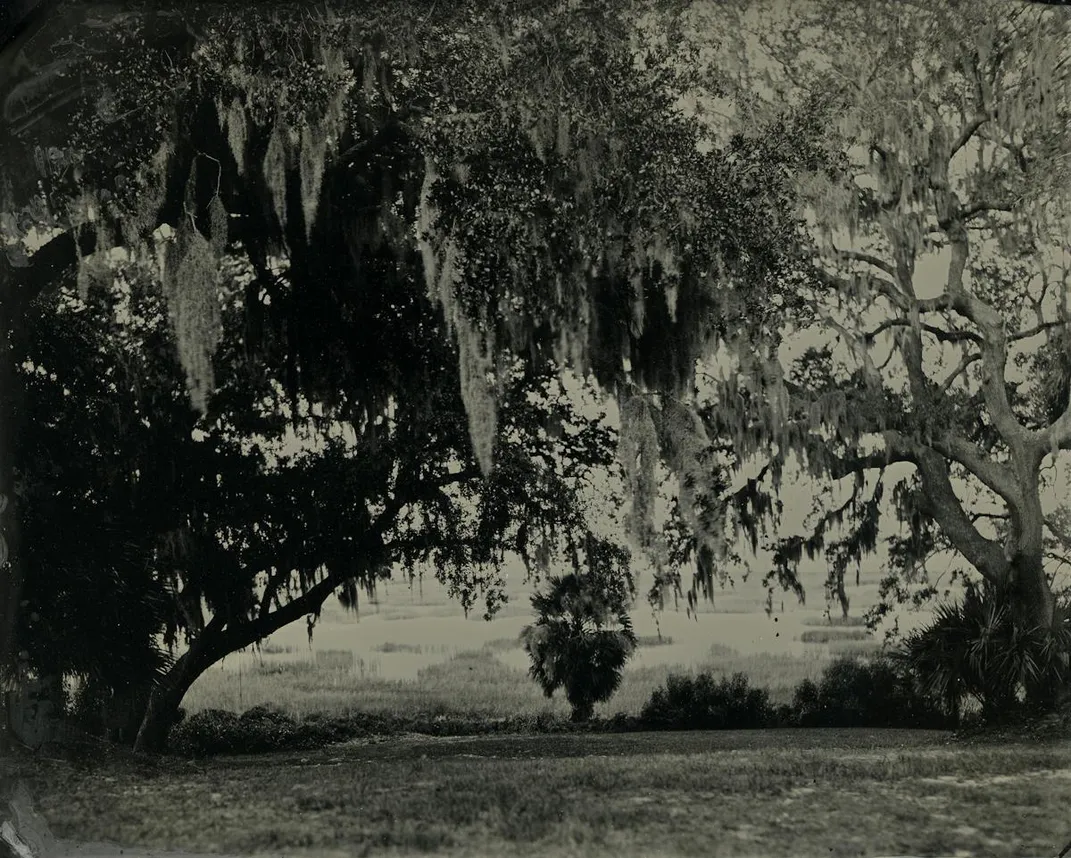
pixel 1058 531
pixel 940 333
pixel 47 264
pixel 994 341
pixel 973 124
pixel 977 208
pixel 986 555
pixel 997 516
pixel 883 287
pixel 995 476
pixel 959 370
pixel 1037 329
pixel 401 500
pixel 840 468
pixel 869 259
pixel 1058 433
pixel 271 589
pixel 246 633
pixel 858 345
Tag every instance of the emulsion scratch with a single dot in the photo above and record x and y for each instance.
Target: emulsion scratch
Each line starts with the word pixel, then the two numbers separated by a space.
pixel 24 833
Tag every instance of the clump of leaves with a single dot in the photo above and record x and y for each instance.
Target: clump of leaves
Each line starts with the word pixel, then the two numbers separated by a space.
pixel 580 642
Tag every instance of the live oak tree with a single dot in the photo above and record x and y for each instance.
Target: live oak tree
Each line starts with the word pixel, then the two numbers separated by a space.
pixel 933 335
pixel 195 539
pixel 354 165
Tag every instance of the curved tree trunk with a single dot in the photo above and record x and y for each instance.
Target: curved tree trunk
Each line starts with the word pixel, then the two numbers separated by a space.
pixel 217 640
pixel 161 712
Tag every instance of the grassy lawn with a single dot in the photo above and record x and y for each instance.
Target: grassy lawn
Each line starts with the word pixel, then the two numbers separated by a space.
pixel 799 792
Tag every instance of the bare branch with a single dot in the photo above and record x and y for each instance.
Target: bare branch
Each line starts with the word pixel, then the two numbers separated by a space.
pixel 996 516
pixel 869 259
pixel 994 340
pixel 940 333
pixel 1058 531
pixel 1037 329
pixel 981 206
pixel 858 345
pixel 986 555
pixel 840 468
pixel 271 590
pixel 959 370
pixel 973 124
pixel 935 305
pixel 1058 433
pixel 243 634
pixel 880 285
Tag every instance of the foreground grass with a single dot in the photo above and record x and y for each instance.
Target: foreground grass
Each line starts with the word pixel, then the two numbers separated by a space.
pixel 801 793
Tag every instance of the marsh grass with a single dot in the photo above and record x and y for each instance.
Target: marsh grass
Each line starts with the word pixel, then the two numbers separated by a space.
pixel 835 622
pixel 861 649
pixel 337 682
pixel 654 640
pixel 415 649
pixel 835 633
pixel 470 683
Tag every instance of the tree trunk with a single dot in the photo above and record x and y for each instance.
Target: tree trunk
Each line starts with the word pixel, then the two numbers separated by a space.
pixel 582 711
pixel 11 566
pixel 161 713
pixel 1034 604
pixel 218 639
pixel 1032 596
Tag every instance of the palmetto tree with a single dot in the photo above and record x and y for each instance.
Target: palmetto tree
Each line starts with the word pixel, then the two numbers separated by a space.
pixel 580 642
pixel 979 649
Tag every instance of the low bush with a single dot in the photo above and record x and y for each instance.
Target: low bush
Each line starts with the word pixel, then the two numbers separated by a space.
pixel 783 716
pixel 701 703
pixel 262 728
pixel 211 731
pixel 872 693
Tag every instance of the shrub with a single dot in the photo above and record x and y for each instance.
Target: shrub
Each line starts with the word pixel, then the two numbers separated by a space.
pixel 318 730
pixel 806 703
pixel 700 703
pixel 262 728
pixel 265 728
pixel 210 731
pixel 783 716
pixel 622 723
pixel 874 693
pixel 850 694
